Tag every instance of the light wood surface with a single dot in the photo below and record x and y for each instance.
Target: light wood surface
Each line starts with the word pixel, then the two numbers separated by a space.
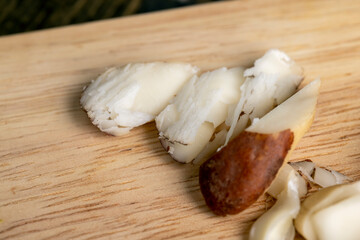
pixel 61 178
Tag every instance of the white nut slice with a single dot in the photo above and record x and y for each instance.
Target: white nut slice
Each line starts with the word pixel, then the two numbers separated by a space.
pixel 282 179
pixel 277 223
pixel 331 213
pixel 273 79
pixel 187 124
pixel 296 113
pixel 339 221
pixel 126 97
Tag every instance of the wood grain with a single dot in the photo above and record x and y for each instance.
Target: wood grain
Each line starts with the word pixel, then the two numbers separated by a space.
pixel 61 178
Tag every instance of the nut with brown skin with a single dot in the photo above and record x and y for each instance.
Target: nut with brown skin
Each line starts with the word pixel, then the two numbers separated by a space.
pixel 237 176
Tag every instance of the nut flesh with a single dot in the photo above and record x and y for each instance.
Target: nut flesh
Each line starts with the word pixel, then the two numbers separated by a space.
pixel 273 78
pixel 129 96
pixel 277 223
pixel 189 121
pixel 321 200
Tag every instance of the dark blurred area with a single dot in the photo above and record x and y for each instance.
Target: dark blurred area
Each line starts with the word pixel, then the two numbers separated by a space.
pixel 27 15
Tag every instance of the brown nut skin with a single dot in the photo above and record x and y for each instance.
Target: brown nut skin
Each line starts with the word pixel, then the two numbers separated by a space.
pixel 235 177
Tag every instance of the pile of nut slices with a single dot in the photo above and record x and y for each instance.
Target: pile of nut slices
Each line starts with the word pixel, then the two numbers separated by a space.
pixel 240 125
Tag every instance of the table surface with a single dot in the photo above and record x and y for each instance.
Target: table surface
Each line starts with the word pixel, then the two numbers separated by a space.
pixel 61 178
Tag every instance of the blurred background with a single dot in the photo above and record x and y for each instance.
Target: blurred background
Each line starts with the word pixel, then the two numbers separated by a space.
pixel 18 16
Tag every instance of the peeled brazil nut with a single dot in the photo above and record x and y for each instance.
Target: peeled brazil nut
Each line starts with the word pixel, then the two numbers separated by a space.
pixel 237 176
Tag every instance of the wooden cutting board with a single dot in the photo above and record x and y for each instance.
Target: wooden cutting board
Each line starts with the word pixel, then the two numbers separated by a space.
pixel 61 178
